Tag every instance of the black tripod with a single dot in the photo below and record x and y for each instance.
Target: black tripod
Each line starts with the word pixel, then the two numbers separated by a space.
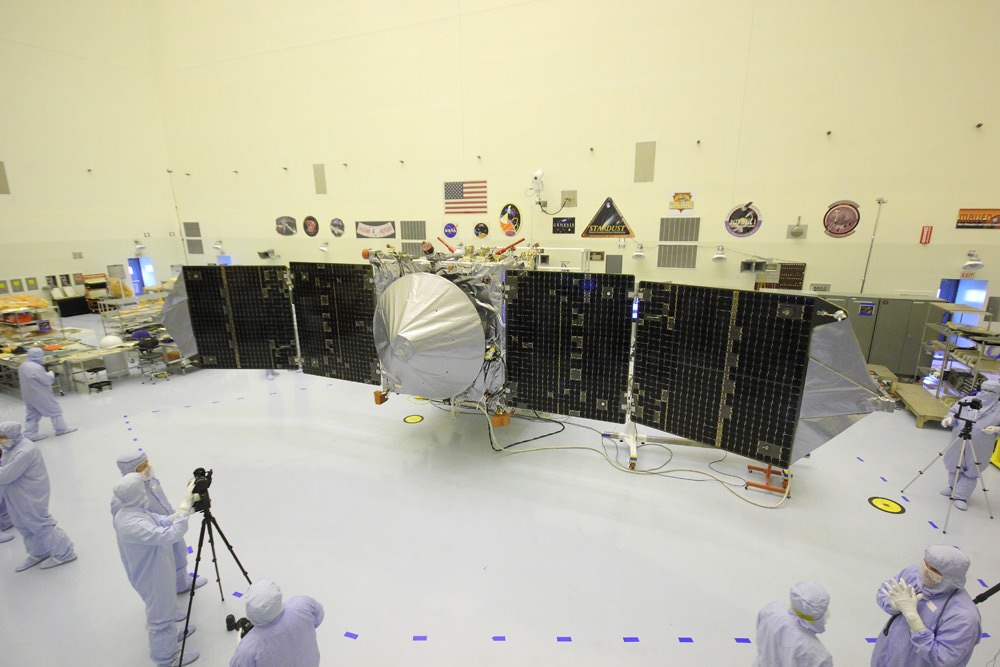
pixel 983 597
pixel 971 406
pixel 202 481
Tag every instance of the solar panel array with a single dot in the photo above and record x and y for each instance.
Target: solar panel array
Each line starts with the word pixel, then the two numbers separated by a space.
pixel 334 307
pixel 241 316
pixel 726 368
pixel 568 338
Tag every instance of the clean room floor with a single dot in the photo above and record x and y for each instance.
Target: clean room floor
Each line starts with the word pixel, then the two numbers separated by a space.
pixel 428 548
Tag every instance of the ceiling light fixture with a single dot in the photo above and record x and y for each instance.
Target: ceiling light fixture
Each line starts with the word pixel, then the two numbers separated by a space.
pixel 973 263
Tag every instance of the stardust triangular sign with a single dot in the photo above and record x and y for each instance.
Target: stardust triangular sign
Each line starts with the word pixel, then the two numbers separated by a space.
pixel 608 222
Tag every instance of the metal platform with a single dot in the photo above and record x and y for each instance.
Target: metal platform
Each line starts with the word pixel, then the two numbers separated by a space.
pixel 922 403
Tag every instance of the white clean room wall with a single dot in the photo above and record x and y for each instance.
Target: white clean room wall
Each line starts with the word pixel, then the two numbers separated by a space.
pixel 790 105
pixel 81 139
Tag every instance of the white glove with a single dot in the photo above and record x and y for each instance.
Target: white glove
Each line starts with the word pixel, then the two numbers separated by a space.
pixel 190 498
pixel 991 429
pixel 51 374
pixel 903 598
pixel 947 421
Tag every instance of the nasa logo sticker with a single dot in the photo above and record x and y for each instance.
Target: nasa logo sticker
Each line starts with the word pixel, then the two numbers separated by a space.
pixel 841 218
pixel 450 230
pixel 744 220
pixel 510 219
pixel 482 230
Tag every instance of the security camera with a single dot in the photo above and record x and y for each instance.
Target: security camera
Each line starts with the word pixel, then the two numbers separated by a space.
pixel 536 182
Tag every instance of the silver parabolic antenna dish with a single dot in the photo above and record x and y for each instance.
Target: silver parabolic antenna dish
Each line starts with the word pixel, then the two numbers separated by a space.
pixel 428 336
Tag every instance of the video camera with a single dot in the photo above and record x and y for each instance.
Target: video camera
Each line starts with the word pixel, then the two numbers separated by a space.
pixel 202 480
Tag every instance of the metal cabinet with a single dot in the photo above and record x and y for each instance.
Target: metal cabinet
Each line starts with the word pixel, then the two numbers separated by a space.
pixel 889 329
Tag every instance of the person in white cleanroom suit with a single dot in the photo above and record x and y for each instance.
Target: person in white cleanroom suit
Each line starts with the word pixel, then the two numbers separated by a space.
pixel 24 484
pixel 36 392
pixel 983 437
pixel 145 543
pixel 786 632
pixel 5 523
pixel 940 624
pixel 282 634
pixel 137 461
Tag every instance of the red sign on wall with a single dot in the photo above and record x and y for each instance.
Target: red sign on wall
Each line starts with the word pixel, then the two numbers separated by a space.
pixel 925 234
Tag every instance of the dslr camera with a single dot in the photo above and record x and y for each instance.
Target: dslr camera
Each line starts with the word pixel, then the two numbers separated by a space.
pixel 243 625
pixel 202 480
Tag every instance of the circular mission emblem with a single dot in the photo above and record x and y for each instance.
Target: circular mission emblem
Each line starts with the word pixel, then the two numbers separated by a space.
pixel 510 220
pixel 743 220
pixel 841 219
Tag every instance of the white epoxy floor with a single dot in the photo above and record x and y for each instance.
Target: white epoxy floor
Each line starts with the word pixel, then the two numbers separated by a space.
pixel 428 548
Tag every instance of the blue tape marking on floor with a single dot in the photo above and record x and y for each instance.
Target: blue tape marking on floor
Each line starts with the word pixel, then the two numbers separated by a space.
pixel 135 439
pixel 933 525
pixel 499 638
pixel 564 639
pixel 303 388
pixel 686 640
pixel 982 583
pixel 905 499
pixel 742 640
pixel 419 638
pixel 986 635
pixel 239 398
pixel 129 428
pixel 883 479
pixel 155 411
pixel 237 594
pixel 860 459
pixel 630 640
pixel 187 406
pixel 870 640
pixel 350 635
pixel 190 550
pixel 216 402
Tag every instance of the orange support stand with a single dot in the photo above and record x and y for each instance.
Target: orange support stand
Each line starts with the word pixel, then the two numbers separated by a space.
pixel 381 397
pixel 500 419
pixel 768 471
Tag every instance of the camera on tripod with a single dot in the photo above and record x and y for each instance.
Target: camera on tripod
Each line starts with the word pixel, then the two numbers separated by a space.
pixel 970 402
pixel 202 480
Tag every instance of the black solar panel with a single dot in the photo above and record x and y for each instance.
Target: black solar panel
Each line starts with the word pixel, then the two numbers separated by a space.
pixel 722 367
pixel 241 316
pixel 334 306
pixel 568 338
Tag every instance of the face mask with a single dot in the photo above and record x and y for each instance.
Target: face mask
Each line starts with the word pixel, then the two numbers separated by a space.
pixel 147 472
pixel 929 577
